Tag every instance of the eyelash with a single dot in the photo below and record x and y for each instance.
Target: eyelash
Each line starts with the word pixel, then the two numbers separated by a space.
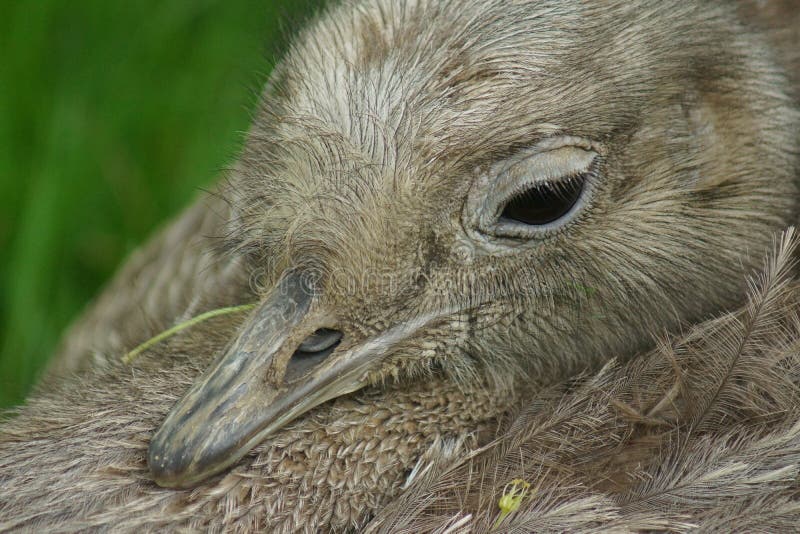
pixel 514 203
pixel 560 183
pixel 510 229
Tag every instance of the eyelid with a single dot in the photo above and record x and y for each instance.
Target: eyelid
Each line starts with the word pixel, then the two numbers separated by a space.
pixel 551 159
pixel 549 166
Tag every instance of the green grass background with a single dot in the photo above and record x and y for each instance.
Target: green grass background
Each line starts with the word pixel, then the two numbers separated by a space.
pixel 112 115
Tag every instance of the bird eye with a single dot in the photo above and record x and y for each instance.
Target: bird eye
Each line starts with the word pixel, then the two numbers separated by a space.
pixel 533 193
pixel 544 202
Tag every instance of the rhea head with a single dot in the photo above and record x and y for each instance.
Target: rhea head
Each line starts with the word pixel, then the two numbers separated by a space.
pixel 501 192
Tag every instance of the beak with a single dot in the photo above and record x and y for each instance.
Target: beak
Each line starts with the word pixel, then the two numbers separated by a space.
pixel 262 382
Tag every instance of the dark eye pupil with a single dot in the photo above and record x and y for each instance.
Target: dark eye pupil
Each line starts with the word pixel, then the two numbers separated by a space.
pixel 545 202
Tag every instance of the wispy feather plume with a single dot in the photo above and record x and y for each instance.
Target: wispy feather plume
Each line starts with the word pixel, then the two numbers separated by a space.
pixel 701 432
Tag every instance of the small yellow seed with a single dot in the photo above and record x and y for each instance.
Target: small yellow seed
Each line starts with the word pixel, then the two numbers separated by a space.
pixel 513 494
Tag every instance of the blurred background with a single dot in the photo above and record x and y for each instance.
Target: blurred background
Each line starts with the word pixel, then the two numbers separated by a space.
pixel 113 116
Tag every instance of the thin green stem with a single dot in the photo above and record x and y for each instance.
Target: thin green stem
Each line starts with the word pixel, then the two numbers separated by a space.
pixel 129 357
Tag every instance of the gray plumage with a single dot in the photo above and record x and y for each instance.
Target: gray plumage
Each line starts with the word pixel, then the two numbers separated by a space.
pixel 373 143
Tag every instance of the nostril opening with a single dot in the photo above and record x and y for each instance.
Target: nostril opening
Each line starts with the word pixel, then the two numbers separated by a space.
pixel 320 340
pixel 311 352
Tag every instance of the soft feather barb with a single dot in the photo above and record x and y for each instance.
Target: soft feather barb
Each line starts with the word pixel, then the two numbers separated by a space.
pixel 702 432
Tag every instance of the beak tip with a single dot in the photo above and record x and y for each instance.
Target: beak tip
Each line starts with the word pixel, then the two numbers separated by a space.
pixel 170 467
pixel 179 464
pixel 166 472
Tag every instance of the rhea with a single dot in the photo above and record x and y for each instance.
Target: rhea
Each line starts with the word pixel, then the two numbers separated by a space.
pixel 489 195
pixel 523 145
